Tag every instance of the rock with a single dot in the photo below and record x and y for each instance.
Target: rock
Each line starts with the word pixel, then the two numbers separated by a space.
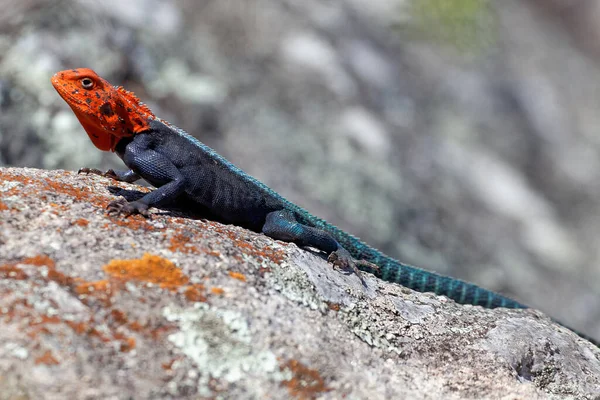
pixel 482 165
pixel 95 306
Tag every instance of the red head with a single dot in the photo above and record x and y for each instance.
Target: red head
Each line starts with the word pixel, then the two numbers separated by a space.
pixel 106 112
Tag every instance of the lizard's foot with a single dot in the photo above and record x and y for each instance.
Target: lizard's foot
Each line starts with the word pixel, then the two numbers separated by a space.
pixel 108 174
pixel 127 208
pixel 343 260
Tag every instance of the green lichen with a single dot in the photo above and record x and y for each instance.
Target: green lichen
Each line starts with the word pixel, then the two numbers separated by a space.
pixel 467 25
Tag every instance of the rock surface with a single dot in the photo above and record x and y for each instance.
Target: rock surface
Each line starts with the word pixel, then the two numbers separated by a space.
pixel 94 306
pixel 484 166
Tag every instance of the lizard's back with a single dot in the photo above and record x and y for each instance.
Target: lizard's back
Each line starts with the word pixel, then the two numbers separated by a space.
pixel 213 181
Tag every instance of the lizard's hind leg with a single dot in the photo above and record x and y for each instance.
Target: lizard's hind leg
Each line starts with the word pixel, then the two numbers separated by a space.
pixel 282 225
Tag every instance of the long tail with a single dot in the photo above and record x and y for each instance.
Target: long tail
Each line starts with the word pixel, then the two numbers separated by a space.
pixel 415 278
pixel 408 276
pixel 424 281
pixel 462 292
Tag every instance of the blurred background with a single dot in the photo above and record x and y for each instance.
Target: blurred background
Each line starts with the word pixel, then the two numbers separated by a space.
pixel 459 136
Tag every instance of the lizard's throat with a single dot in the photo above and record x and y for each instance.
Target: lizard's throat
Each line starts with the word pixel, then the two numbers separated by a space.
pixel 98 134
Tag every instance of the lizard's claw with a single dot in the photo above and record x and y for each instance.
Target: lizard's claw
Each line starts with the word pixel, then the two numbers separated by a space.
pixel 86 170
pixel 343 260
pixel 108 174
pixel 127 208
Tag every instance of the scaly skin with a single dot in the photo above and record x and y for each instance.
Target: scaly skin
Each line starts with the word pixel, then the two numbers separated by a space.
pixel 179 166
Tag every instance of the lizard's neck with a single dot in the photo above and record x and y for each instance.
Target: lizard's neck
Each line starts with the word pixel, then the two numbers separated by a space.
pixel 119 148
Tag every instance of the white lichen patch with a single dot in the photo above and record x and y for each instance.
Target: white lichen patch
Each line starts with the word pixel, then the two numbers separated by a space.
pixel 220 341
pixel 5 186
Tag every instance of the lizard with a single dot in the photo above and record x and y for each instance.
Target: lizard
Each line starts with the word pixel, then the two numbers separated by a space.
pixel 180 166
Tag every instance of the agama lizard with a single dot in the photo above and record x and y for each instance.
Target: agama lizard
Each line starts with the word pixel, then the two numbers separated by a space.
pixel 180 166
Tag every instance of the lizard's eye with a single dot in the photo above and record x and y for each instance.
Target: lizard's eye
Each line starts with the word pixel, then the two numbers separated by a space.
pixel 87 83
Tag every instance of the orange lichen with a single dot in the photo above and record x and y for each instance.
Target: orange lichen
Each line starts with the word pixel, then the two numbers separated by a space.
pixel 242 244
pixel 126 343
pixel 81 194
pixel 217 290
pixel 238 276
pixel 265 253
pixel 45 320
pixel 81 222
pixel 181 242
pixel 333 306
pixel 118 316
pixel 111 327
pixel 10 271
pixel 306 383
pixel 81 328
pixel 59 277
pixel 26 183
pixel 39 261
pixel 135 222
pixel 161 331
pixel 149 268
pixel 44 188
pixel 195 293
pixel 14 309
pixel 135 326
pixel 92 288
pixel 3 207
pixel 43 325
pixel 168 365
pixel 47 359
pixel 99 290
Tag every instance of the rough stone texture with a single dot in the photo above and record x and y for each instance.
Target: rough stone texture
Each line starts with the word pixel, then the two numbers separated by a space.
pixel 484 166
pixel 93 306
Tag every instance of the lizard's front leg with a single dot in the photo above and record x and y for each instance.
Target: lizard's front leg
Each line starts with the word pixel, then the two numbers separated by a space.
pixel 121 176
pixel 283 225
pixel 157 169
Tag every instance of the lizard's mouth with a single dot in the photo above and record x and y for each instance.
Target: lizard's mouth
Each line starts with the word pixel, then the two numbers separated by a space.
pixel 65 91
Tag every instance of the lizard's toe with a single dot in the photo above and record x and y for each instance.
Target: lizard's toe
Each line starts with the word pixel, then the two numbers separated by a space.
pixel 111 174
pixel 108 174
pixel 89 171
pixel 343 260
pixel 116 206
pixel 339 260
pixel 126 208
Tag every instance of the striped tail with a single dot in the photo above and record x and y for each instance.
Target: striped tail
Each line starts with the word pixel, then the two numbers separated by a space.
pixel 420 280
pixel 424 281
pixel 408 276
pixel 462 292
pixel 415 278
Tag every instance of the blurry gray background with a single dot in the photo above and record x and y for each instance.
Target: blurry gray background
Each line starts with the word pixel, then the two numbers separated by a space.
pixel 460 136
